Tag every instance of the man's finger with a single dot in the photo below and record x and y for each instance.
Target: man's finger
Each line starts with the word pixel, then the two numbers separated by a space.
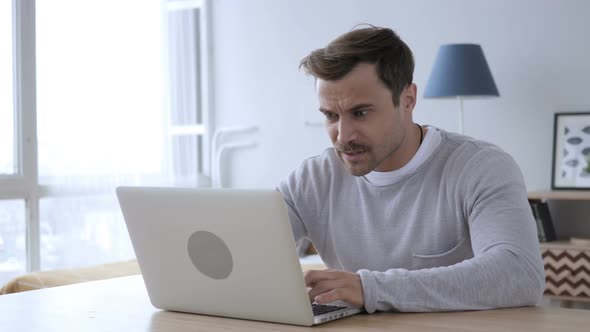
pixel 324 287
pixel 339 294
pixel 312 277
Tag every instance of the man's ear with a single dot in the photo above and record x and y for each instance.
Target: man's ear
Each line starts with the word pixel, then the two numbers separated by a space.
pixel 409 97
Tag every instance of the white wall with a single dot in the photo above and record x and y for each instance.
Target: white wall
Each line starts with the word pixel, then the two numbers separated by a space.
pixel 538 52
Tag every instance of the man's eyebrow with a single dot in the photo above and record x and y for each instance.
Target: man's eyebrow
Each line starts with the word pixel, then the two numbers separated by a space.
pixel 360 106
pixel 353 109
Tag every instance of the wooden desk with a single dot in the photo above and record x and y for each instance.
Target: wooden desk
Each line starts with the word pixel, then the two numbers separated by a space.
pixel 122 304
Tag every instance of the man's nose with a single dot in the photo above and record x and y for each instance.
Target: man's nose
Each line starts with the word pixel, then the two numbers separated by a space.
pixel 346 131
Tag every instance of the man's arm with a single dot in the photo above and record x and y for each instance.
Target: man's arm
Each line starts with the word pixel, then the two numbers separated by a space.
pixel 506 270
pixel 286 188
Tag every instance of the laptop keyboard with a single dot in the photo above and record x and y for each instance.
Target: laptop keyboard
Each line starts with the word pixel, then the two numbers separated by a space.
pixel 320 309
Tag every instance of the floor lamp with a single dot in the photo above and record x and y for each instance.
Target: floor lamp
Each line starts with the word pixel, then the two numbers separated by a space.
pixel 460 70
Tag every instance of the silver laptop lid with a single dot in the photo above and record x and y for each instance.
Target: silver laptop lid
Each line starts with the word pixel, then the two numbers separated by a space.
pixel 218 252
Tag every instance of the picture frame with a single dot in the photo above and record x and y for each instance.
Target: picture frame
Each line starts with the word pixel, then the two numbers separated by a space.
pixel 571 151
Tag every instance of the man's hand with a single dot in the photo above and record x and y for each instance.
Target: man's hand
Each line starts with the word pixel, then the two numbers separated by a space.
pixel 334 285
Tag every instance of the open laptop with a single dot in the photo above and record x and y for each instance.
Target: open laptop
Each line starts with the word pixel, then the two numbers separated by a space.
pixel 220 252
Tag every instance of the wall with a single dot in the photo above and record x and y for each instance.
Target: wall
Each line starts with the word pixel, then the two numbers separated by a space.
pixel 537 50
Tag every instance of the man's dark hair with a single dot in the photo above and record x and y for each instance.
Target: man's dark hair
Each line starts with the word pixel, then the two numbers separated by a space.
pixel 374 45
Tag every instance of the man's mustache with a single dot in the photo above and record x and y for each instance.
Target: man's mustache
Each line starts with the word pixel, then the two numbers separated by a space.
pixel 351 148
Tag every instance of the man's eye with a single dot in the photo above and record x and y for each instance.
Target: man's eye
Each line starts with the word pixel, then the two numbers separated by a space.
pixel 331 116
pixel 360 114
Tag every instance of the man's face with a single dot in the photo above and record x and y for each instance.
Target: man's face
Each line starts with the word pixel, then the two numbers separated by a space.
pixel 366 129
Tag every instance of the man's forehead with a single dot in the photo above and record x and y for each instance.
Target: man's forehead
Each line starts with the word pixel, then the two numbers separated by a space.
pixel 343 103
pixel 331 94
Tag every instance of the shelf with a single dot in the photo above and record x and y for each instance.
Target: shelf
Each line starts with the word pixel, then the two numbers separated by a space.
pixel 566 263
pixel 560 194
pixel 566 244
pixel 567 298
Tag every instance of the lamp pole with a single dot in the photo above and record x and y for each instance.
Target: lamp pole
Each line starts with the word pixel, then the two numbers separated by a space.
pixel 460 114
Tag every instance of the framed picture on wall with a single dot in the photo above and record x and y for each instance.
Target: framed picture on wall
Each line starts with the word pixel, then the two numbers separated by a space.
pixel 571 151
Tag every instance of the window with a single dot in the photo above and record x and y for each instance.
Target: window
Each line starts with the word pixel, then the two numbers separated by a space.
pixel 119 100
pixel 12 239
pixel 7 153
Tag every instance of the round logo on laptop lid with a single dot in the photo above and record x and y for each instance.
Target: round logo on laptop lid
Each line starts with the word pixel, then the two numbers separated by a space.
pixel 210 255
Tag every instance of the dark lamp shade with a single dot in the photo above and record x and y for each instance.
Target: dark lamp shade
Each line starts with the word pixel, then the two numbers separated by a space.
pixel 460 70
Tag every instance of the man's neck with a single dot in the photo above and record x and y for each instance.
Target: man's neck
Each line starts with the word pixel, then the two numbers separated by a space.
pixel 406 151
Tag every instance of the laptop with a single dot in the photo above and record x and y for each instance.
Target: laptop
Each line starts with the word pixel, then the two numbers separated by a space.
pixel 221 252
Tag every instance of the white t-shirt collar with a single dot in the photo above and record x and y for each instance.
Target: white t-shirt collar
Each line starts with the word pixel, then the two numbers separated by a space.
pixel 431 141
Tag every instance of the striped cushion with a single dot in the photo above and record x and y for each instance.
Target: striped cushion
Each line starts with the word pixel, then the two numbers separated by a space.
pixel 567 271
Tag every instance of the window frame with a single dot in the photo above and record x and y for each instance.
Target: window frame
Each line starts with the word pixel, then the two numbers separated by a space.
pixel 24 184
pixel 204 129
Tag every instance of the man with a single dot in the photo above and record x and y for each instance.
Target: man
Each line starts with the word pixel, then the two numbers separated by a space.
pixel 407 217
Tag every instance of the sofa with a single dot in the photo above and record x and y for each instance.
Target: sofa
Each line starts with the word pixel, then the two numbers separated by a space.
pixel 52 278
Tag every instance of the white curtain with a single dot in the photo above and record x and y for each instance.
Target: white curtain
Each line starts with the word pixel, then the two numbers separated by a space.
pixel 104 116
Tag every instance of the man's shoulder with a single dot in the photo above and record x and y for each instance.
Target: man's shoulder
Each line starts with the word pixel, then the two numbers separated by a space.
pixel 320 167
pixel 315 176
pixel 327 158
pixel 467 148
pixel 471 159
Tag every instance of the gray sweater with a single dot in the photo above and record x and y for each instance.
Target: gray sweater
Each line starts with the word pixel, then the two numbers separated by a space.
pixel 455 234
